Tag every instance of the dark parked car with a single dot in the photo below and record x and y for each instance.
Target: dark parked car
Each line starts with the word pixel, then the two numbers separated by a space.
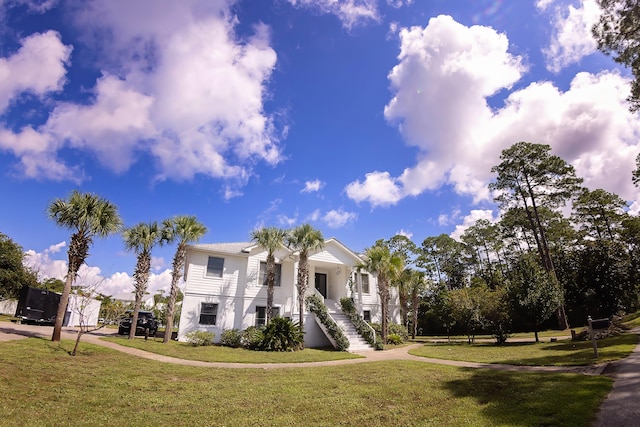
pixel 146 320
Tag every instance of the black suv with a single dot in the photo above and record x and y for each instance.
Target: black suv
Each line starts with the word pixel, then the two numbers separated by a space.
pixel 146 320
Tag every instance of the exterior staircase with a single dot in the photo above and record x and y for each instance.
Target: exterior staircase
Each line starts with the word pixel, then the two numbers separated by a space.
pixel 356 342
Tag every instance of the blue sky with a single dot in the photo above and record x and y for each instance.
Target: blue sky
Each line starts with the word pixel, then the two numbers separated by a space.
pixel 365 118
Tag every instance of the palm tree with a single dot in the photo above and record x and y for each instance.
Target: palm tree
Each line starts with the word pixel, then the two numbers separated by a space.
pixel 141 239
pixel 386 266
pixel 270 238
pixel 416 286
pixel 303 239
pixel 87 216
pixel 185 229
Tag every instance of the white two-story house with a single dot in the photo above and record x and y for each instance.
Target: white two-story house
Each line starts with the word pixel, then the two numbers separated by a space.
pixel 225 287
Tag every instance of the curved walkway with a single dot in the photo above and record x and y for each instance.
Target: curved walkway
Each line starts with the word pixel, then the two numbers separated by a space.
pixel 14 331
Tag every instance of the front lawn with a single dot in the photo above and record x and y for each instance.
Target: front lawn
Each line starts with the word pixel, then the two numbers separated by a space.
pixel 215 353
pixel 565 353
pixel 43 385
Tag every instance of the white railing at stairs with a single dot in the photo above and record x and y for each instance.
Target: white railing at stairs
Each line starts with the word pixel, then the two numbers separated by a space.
pixel 317 292
pixel 373 331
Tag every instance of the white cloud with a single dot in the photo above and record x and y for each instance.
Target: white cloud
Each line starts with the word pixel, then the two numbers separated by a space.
pixel 470 220
pixel 350 12
pixel 404 233
pixel 542 5
pixel 338 218
pixel 119 285
pixel 313 216
pixel 177 83
pixel 399 3
pixel 38 67
pixel 378 188
pixel 446 219
pixel 111 126
pixel 572 39
pixel 312 186
pixel 441 84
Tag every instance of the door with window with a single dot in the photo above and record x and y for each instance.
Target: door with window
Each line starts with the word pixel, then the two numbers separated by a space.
pixel 321 284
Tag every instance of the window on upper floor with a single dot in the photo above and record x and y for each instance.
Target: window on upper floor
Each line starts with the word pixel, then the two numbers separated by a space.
pixel 208 313
pixel 215 265
pixel 261 314
pixel 365 283
pixel 263 273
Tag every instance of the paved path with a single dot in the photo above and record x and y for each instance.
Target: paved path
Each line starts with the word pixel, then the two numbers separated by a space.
pixel 622 406
pixel 14 331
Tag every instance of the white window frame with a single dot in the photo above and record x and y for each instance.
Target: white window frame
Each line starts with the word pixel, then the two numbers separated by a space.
pixel 275 312
pixel 262 275
pixel 211 310
pixel 362 283
pixel 214 273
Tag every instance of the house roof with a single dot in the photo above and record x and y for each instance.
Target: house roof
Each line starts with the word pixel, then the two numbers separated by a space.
pixel 227 248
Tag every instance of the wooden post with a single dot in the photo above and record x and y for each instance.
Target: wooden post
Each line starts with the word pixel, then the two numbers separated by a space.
pixel 593 338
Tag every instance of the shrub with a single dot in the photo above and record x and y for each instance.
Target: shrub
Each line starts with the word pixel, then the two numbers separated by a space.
pixel 200 338
pixel 317 307
pixel 282 335
pixel 231 338
pixel 252 338
pixel 399 330
pixel 349 309
pixel 394 339
pixel 393 328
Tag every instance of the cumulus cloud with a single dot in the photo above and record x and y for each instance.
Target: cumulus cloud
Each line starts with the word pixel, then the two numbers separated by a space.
pixel 338 218
pixel 445 74
pixel 350 12
pixel 177 83
pixel 312 186
pixel 542 5
pixel 378 188
pixel 572 39
pixel 471 219
pixel 119 285
pixel 38 68
pixel 404 233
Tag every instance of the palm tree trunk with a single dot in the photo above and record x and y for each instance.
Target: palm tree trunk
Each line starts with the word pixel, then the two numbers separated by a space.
pixel 271 278
pixel 176 275
pixel 62 306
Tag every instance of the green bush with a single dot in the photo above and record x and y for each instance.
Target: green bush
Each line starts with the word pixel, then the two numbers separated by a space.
pixel 231 338
pixel 282 335
pixel 252 338
pixel 394 339
pixel 399 330
pixel 200 338
pixel 349 309
pixel 393 328
pixel 317 307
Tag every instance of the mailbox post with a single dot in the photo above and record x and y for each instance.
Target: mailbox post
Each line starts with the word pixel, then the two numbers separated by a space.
pixel 597 324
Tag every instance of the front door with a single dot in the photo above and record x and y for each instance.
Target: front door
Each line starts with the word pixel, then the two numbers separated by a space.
pixel 321 284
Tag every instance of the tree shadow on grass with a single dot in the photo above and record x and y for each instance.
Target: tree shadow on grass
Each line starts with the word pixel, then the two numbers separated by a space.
pixel 531 399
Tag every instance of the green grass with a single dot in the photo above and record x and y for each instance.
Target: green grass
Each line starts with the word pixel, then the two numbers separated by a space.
pixel 104 387
pixel 565 353
pixel 217 353
pixel 518 335
pixel 632 320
